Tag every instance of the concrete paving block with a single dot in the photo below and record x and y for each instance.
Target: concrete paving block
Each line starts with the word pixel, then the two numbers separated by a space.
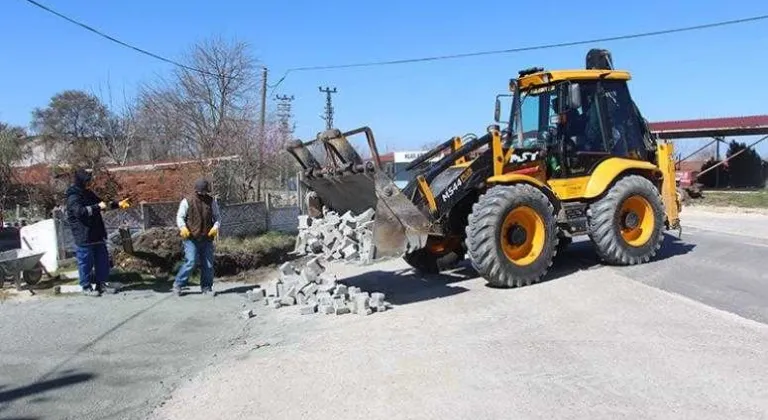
pixel 348 216
pixel 352 306
pixel 342 310
pixel 275 302
pixel 325 309
pixel 309 289
pixel 308 309
pixel 255 295
pixel 365 216
pixel 287 300
pixel 368 311
pixel 326 288
pixel 377 299
pixel 301 299
pixel 69 288
pixel 304 222
pixel 340 290
pixel 315 266
pixel 315 246
pixel 350 253
pixel 362 303
pixel 324 298
pixel 247 314
pixel 291 292
pixel 280 289
pixel 287 269
pixel 308 276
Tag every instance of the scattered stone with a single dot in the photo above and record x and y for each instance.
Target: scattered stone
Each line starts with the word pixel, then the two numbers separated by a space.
pixel 287 269
pixel 308 309
pixel 255 295
pixel 247 314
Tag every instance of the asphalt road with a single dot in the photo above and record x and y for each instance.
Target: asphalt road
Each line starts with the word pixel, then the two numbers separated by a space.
pixel 683 336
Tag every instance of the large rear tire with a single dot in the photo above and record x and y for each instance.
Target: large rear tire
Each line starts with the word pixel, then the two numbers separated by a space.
pixel 512 235
pixel 626 225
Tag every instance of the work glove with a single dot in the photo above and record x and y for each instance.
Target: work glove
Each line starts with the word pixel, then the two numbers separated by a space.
pixel 214 232
pixel 124 204
pixel 103 205
pixel 184 232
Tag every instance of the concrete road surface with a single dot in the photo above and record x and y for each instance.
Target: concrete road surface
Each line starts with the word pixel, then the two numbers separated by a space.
pixel 681 337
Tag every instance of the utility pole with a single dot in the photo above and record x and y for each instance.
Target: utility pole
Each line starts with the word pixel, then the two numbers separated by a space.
pixel 328 106
pixel 284 114
pixel 286 129
pixel 262 129
pixel 263 110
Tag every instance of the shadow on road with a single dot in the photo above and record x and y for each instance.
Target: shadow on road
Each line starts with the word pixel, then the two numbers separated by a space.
pixel 7 395
pixel 673 247
pixel 404 286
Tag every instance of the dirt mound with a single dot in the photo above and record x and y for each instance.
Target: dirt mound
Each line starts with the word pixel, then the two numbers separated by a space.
pixel 159 252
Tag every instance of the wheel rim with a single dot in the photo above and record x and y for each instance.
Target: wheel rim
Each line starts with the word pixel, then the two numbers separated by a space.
pixel 522 235
pixel 636 220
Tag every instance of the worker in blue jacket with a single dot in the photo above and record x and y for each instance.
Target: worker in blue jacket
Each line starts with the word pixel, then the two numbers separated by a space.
pixel 84 209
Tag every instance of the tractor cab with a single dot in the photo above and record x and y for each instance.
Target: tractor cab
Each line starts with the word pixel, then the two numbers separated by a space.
pixel 578 118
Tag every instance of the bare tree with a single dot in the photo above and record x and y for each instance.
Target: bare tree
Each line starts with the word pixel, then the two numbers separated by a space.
pixel 121 135
pixel 203 110
pixel 11 151
pixel 210 113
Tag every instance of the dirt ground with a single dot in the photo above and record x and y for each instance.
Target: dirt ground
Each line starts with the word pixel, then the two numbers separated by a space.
pixel 158 252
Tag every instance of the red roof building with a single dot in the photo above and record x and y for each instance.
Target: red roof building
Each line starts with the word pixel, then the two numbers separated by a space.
pixel 711 127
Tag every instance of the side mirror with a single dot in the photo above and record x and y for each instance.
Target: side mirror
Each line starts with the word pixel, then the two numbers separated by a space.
pixel 573 97
pixel 497 110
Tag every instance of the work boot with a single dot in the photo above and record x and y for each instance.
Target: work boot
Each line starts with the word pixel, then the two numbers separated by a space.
pixel 208 292
pixel 90 291
pixel 176 290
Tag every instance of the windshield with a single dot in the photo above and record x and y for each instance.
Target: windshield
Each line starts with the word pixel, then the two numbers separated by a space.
pixel 535 110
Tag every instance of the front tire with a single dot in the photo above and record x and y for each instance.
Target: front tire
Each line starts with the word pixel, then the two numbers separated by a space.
pixel 627 224
pixel 512 235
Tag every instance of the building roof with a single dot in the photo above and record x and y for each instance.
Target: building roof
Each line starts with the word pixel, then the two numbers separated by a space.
pixel 711 127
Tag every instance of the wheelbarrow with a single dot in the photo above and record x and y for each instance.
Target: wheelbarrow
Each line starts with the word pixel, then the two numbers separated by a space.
pixel 21 264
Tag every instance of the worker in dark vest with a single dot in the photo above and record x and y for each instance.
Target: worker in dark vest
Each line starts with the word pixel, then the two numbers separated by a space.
pixel 198 220
pixel 84 210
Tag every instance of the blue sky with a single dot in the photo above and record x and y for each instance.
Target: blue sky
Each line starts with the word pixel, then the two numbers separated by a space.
pixel 687 75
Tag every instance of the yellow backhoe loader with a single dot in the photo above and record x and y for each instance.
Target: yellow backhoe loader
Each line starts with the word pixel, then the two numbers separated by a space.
pixel 575 157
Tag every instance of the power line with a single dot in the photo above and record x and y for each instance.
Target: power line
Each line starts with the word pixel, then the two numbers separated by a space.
pixel 411 60
pixel 535 47
pixel 125 44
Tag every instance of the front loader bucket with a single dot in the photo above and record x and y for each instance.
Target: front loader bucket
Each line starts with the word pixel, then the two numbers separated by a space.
pixel 399 227
pixel 343 182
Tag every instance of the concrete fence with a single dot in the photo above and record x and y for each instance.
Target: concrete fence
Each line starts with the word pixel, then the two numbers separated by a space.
pixel 237 220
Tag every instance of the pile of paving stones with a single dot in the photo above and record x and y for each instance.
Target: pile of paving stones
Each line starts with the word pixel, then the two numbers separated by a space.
pixel 348 237
pixel 314 291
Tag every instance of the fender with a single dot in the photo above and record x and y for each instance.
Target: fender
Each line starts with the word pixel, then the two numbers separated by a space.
pixel 517 178
pixel 610 169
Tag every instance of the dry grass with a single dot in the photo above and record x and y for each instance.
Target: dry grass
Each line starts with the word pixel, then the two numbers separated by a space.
pixel 743 199
pixel 264 244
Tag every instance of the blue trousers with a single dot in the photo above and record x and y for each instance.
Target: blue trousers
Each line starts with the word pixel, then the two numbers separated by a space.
pixel 194 251
pixel 92 258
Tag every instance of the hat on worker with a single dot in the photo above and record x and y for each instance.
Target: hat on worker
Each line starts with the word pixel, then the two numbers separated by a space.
pixel 82 176
pixel 202 186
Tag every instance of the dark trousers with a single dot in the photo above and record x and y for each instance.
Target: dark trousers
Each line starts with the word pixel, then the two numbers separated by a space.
pixel 90 258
